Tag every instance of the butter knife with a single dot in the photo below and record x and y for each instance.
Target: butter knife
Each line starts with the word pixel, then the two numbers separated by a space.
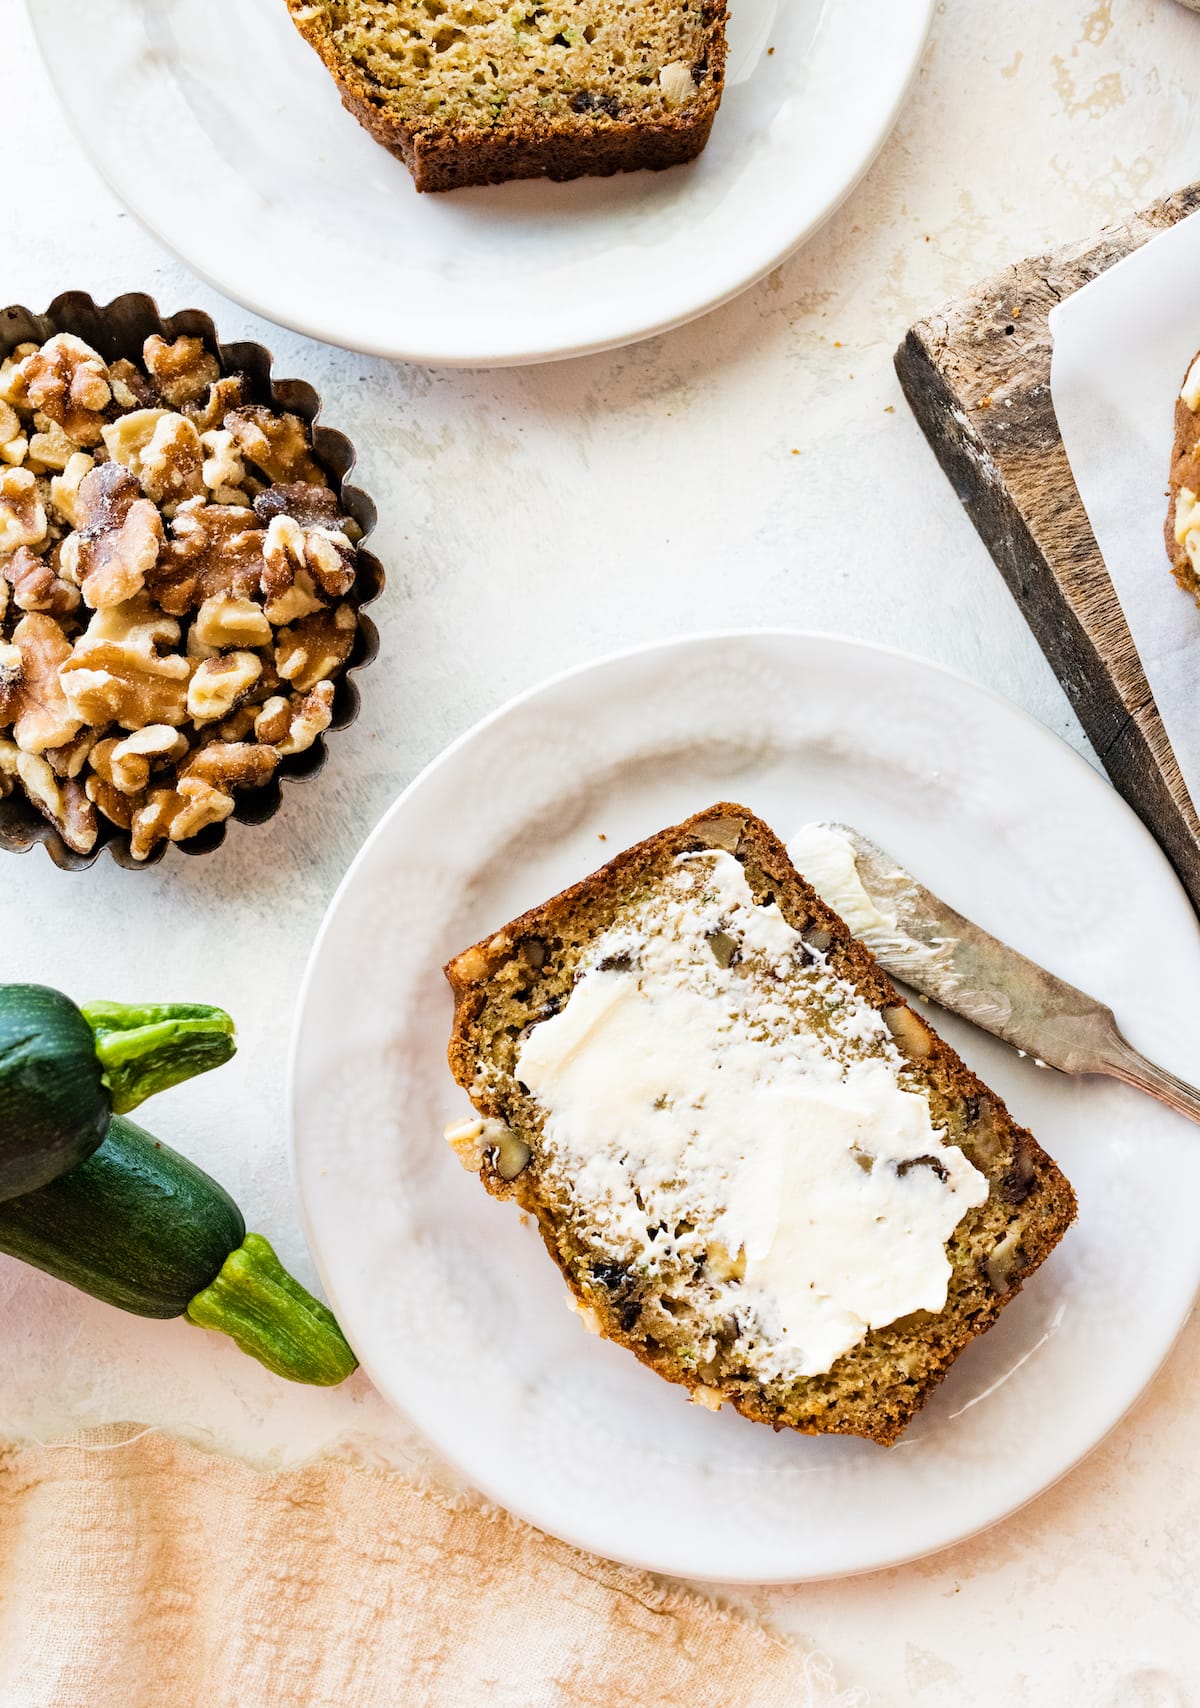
pixel 918 938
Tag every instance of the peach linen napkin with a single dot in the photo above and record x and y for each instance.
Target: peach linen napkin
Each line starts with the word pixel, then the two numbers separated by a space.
pixel 138 1572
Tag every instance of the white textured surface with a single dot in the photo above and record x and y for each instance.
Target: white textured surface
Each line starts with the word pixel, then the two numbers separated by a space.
pixel 535 518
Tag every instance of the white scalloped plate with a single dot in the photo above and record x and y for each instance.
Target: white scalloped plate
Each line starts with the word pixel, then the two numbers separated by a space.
pixel 450 1301
pixel 274 193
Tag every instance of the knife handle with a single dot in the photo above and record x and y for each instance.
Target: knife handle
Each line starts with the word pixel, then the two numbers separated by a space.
pixel 1125 1063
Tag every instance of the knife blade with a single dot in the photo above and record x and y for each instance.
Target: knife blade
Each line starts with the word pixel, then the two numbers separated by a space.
pixel 921 940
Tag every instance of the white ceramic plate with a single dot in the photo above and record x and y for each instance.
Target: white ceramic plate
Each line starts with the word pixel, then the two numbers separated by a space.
pixel 221 130
pixel 453 1306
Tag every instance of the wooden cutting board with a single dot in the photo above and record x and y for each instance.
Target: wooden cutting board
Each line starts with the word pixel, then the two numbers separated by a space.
pixel 977 375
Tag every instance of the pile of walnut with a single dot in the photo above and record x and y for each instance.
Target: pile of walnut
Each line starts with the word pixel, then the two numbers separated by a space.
pixel 173 578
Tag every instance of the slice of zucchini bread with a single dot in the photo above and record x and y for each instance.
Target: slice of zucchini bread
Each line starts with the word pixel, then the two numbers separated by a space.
pixel 757 1167
pixel 475 91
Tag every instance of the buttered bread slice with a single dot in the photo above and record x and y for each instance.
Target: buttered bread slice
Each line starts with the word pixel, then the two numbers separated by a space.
pixel 757 1167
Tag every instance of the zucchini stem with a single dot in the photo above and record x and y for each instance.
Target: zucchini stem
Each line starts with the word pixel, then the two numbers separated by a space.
pixel 146 1047
pixel 273 1318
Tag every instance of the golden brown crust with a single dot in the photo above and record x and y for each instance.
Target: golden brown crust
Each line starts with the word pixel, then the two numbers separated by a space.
pixel 1029 1193
pixel 445 157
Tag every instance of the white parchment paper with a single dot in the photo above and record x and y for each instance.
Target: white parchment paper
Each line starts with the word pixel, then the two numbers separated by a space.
pixel 1122 346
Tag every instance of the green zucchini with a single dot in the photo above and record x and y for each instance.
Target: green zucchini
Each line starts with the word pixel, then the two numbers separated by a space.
pixel 142 1228
pixel 64 1071
pixel 136 1225
pixel 54 1108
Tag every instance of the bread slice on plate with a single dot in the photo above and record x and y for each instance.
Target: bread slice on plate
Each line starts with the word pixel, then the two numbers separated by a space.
pixel 476 92
pixel 756 1165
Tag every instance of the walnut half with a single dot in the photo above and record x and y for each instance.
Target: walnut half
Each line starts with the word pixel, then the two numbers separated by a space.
pixel 128 762
pixel 68 382
pixel 22 513
pixel 61 800
pixel 35 587
pixel 43 717
pixel 112 682
pixel 219 683
pixel 315 647
pixel 182 371
pixel 119 538
pixel 232 765
pixel 177 814
pixel 291 726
